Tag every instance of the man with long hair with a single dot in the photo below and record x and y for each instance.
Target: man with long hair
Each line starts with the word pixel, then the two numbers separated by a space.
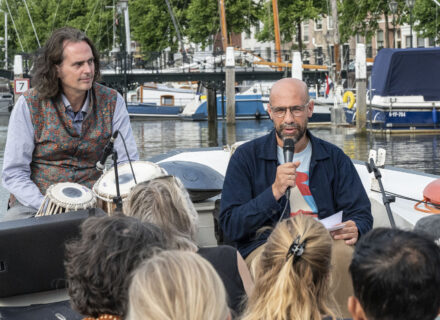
pixel 58 128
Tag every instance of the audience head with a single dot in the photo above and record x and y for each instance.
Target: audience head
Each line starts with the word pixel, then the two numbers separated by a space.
pixel 99 264
pixel 165 202
pixel 396 275
pixel 430 227
pixel 177 285
pixel 292 275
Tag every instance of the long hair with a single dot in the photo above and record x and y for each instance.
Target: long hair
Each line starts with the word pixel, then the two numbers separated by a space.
pixel 177 285
pixel 289 286
pixel 99 264
pixel 44 73
pixel 165 202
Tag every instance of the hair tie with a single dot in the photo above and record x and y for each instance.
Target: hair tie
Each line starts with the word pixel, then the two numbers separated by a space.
pixel 296 249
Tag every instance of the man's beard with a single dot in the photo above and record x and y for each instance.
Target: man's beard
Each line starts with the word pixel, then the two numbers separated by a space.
pixel 300 131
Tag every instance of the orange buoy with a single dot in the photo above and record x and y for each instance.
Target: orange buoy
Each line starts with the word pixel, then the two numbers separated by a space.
pixel 431 195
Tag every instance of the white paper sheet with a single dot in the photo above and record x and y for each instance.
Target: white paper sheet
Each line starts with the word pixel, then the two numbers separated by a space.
pixel 333 222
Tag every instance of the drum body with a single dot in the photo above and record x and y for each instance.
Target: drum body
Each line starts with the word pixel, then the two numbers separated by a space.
pixel 65 197
pixel 105 187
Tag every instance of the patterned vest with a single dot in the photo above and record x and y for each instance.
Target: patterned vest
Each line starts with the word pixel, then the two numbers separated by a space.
pixel 61 154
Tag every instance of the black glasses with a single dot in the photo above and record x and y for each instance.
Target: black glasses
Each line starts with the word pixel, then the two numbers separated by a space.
pixel 296 111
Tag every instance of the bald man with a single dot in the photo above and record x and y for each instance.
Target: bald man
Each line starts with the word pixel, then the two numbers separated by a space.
pixel 322 179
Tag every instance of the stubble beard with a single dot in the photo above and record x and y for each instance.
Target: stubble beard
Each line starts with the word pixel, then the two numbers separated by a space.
pixel 301 130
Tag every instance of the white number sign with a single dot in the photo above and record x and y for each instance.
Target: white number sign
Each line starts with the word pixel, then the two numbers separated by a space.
pixel 21 85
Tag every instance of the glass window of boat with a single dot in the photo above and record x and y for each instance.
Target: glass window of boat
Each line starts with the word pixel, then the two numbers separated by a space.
pixel 167 100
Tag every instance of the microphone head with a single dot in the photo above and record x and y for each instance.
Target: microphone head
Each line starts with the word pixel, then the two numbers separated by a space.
pixel 289 145
pixel 115 134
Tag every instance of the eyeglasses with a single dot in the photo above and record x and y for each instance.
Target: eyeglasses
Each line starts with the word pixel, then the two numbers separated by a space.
pixel 296 111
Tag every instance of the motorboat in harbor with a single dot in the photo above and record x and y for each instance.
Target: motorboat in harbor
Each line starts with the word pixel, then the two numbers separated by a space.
pixel 159 101
pixel 405 91
pixel 191 165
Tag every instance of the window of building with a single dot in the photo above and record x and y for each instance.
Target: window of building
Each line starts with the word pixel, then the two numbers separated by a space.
pixel 408 41
pixel 318 23
pixel 420 42
pixel 329 22
pixel 306 32
pixel 257 28
pixel 431 42
pixel 380 39
pixel 369 51
pixel 331 53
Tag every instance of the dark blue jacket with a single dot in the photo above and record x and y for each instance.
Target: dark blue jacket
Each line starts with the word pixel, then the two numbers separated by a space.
pixel 248 203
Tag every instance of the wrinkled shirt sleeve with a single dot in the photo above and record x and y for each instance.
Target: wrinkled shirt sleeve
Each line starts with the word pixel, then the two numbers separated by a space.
pixel 121 122
pixel 16 176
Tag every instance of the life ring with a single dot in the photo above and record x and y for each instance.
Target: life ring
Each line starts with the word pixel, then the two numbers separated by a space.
pixel 431 198
pixel 349 95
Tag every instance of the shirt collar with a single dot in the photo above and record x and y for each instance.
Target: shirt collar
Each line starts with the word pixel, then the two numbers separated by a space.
pixel 85 107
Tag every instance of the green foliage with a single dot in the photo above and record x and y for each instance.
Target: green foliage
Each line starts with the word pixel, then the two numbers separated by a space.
pixel 290 15
pixel 90 16
pixel 362 16
pixel 204 18
pixel 427 15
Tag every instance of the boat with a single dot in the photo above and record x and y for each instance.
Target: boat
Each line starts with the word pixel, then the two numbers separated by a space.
pixel 405 92
pixel 159 101
pixel 215 161
pixel 247 106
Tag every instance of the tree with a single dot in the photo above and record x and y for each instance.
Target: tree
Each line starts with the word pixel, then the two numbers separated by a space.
pixel 47 15
pixel 204 18
pixel 291 15
pixel 152 26
pixel 362 17
pixel 427 15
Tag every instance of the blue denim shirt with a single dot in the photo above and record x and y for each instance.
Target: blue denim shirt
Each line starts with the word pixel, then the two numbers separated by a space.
pixel 248 203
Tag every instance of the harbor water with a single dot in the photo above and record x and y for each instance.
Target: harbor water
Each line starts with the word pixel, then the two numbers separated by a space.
pixel 414 152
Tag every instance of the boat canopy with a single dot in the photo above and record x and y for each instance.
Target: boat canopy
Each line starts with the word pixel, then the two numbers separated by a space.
pixel 407 72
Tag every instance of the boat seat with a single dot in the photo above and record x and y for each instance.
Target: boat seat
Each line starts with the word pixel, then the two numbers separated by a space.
pixel 32 251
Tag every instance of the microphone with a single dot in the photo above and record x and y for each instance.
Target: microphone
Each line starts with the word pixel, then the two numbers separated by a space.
pixel 100 165
pixel 288 151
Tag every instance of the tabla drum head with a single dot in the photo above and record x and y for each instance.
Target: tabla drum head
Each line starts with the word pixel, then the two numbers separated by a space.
pixel 68 192
pixel 105 187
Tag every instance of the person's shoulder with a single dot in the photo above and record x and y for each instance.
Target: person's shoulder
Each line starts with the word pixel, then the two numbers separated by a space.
pixel 220 250
pixel 104 89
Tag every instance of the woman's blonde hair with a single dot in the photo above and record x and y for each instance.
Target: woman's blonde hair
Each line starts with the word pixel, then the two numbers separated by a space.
pixel 165 202
pixel 177 285
pixel 290 284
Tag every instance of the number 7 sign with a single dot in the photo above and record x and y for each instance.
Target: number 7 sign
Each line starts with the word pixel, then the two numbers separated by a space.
pixel 21 85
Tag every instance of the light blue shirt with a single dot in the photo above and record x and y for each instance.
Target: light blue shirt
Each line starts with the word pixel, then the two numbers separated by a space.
pixel 20 147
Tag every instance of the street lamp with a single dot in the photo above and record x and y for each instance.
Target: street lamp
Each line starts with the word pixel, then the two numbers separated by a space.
pixel 410 5
pixel 393 9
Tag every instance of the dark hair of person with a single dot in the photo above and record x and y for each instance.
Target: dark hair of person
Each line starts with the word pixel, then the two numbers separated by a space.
pixel 44 73
pixel 99 263
pixel 396 275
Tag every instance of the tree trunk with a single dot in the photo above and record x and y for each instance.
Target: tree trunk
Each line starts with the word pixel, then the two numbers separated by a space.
pixel 300 41
pixel 387 31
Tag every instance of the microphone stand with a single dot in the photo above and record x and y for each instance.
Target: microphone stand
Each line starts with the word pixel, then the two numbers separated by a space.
pixel 371 167
pixel 118 199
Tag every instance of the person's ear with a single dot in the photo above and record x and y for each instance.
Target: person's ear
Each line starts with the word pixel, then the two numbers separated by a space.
pixel 355 309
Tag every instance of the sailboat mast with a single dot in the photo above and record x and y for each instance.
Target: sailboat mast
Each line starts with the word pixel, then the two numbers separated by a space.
pixel 223 24
pixel 334 7
pixel 276 30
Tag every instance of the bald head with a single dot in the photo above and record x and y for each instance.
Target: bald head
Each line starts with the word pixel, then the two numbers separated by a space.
pixel 289 88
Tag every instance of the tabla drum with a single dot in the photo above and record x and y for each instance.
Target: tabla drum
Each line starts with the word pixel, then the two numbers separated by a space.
pixel 105 187
pixel 65 197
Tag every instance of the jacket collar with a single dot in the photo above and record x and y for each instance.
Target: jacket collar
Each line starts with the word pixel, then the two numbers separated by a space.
pixel 268 149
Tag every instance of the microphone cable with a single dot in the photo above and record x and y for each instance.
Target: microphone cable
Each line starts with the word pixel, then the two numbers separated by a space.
pixel 128 157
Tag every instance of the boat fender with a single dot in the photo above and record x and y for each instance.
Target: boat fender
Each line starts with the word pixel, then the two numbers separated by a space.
pixel 257 115
pixel 431 198
pixel 349 95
